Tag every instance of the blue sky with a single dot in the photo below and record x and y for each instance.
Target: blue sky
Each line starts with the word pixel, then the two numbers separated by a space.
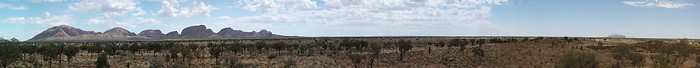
pixel 23 19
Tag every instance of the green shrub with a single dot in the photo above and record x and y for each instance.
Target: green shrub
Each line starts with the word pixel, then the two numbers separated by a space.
pixel 404 46
pixel 102 61
pixel 356 59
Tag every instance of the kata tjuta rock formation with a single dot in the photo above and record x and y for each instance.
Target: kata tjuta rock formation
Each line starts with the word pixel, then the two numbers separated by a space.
pixel 69 33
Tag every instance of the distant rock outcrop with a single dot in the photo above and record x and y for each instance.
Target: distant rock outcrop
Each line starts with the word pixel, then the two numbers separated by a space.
pixel 61 31
pixel 68 33
pixel 118 31
pixel 230 33
pixel 263 33
pixel 151 33
pixel 617 36
pixel 197 31
pixel 172 34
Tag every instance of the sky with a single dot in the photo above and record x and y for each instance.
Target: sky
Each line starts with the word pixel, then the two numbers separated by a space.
pixel 23 19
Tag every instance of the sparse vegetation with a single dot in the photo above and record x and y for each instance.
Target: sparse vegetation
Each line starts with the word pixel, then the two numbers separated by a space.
pixel 488 52
pixel 578 60
pixel 404 46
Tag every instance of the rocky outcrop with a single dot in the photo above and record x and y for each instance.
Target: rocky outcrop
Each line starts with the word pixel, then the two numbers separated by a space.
pixel 68 33
pixel 61 31
pixel 230 33
pixel 198 31
pixel 172 34
pixel 118 31
pixel 617 36
pixel 151 33
pixel 263 33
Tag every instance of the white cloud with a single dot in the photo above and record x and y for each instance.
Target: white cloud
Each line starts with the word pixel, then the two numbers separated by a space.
pixel 371 12
pixel 38 1
pixel 658 3
pixel 174 9
pixel 277 5
pixel 11 7
pixel 109 8
pixel 131 22
pixel 48 19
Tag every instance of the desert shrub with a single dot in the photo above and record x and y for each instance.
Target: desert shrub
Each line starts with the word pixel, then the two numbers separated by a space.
pixel 34 62
pixel 134 48
pixel 70 52
pixel 102 61
pixel 440 44
pixel 279 45
pixel 289 62
pixel 357 44
pixel 376 50
pixel 661 61
pixel 234 62
pixel 51 52
pixel 260 45
pixel 356 59
pixel 478 52
pixel 155 63
pixel 624 52
pixel 577 60
pixel 454 43
pixel 404 46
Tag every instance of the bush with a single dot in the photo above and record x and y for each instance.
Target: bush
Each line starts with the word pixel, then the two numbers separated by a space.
pixel 478 52
pixel 102 61
pixel 289 62
pixel 9 52
pixel 234 62
pixel 624 52
pixel 155 63
pixel 661 61
pixel 578 60
pixel 404 46
pixel 356 59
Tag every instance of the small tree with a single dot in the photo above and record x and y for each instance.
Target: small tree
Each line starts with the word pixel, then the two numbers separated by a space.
pixel 215 51
pixel 260 46
pixel 279 46
pixel 440 44
pixel 70 52
pixel 134 48
pixel 356 59
pixel 102 61
pixel 9 52
pixel 376 50
pixel 51 52
pixel 404 46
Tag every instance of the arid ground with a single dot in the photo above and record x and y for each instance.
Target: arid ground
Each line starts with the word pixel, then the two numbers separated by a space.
pixel 360 52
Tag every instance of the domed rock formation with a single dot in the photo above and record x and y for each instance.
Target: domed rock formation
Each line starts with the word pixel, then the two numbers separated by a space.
pixel 263 33
pixel 617 36
pixel 151 33
pixel 229 33
pixel 61 31
pixel 172 34
pixel 118 31
pixel 68 33
pixel 198 31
